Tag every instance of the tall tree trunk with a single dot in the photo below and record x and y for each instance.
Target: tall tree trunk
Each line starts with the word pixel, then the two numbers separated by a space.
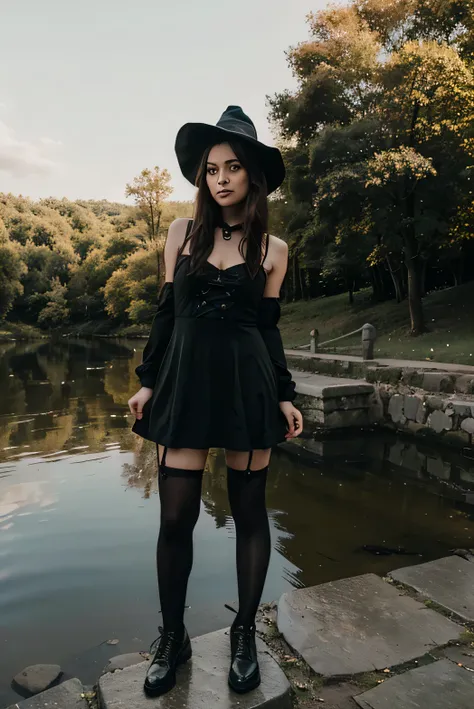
pixel 395 275
pixel 417 320
pixel 300 272
pixel 411 248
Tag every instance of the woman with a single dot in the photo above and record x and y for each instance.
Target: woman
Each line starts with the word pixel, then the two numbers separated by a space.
pixel 214 375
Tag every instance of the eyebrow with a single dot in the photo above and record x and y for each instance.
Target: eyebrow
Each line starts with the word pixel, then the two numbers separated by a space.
pixel 227 162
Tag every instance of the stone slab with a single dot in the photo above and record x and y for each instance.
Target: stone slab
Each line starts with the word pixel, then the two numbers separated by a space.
pixel 360 624
pixel 201 683
pixel 327 387
pixel 448 581
pixel 460 654
pixel 120 662
pixel 441 685
pixel 64 696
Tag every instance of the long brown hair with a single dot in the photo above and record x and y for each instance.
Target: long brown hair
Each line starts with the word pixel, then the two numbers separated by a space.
pixel 208 215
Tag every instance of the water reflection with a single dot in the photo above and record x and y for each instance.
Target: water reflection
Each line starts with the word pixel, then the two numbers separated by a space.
pixel 79 512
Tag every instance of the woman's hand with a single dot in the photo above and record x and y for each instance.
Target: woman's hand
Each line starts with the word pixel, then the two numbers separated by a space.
pixel 138 401
pixel 293 417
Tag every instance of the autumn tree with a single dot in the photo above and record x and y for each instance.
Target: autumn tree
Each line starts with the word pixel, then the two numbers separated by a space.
pixel 378 136
pixel 150 190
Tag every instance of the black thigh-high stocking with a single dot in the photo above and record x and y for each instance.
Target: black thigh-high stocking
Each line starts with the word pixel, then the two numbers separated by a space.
pixel 246 491
pixel 180 497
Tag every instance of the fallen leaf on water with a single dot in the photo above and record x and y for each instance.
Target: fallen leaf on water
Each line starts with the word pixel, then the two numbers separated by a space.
pixel 113 642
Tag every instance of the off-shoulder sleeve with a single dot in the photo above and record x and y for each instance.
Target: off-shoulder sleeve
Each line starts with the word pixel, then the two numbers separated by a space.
pixel 159 337
pixel 268 317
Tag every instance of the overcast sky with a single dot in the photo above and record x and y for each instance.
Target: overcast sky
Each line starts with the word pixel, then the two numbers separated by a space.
pixel 91 92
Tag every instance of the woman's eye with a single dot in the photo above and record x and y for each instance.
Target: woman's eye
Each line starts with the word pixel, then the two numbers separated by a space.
pixel 237 167
pixel 211 170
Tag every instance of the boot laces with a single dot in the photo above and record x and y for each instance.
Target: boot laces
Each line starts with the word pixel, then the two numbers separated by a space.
pixel 163 644
pixel 243 637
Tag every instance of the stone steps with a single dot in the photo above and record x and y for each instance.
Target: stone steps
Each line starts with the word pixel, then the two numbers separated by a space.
pixel 353 626
pixel 362 625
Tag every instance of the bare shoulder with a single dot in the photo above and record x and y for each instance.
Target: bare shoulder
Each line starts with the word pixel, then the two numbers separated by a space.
pixel 177 232
pixel 277 245
pixel 174 241
pixel 277 253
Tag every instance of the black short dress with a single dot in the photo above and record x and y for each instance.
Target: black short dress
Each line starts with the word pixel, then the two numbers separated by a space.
pixel 215 362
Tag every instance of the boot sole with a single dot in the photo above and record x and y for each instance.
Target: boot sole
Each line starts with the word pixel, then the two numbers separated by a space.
pixel 241 689
pixel 164 688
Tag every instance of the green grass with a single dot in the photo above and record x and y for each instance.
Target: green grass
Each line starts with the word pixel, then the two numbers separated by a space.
pixel 449 315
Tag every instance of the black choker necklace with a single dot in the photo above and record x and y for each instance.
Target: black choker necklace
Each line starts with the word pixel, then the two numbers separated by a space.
pixel 227 230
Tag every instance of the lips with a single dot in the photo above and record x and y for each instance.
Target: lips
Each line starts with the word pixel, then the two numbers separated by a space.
pixel 224 192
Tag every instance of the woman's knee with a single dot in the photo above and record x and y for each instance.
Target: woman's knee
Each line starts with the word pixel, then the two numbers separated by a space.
pixel 176 527
pixel 239 459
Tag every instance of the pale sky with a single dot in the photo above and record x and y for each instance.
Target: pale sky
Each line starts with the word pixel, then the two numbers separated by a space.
pixel 91 92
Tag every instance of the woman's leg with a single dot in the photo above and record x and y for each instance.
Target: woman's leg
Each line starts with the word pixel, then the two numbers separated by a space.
pixel 246 481
pixel 180 480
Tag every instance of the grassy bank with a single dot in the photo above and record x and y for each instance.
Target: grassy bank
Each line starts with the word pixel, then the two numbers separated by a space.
pixel 449 317
pixel 20 331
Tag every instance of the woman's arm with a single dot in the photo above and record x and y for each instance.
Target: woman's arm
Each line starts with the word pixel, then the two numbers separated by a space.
pixel 269 315
pixel 163 321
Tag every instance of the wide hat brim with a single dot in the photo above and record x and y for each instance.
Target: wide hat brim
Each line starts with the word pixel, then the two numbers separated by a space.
pixel 194 138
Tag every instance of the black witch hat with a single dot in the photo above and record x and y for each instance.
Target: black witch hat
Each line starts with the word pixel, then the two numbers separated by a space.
pixel 193 139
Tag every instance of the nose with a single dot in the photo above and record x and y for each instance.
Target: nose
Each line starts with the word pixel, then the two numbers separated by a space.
pixel 223 179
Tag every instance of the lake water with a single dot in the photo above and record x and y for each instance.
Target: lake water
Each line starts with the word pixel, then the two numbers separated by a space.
pixel 79 514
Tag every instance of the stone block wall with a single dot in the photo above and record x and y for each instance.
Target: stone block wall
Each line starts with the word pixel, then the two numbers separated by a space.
pixel 416 411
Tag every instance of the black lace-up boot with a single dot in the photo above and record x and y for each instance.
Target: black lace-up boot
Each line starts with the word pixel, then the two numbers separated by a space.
pixel 244 672
pixel 171 649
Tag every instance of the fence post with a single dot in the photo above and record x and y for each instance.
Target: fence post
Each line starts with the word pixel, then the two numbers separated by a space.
pixel 313 343
pixel 368 340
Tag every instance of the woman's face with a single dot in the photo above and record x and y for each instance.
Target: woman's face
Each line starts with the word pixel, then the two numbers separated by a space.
pixel 227 179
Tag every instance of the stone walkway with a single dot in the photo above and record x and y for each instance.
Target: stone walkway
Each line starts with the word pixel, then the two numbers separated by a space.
pixel 359 625
pixel 412 364
pixel 366 626
pixel 359 642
